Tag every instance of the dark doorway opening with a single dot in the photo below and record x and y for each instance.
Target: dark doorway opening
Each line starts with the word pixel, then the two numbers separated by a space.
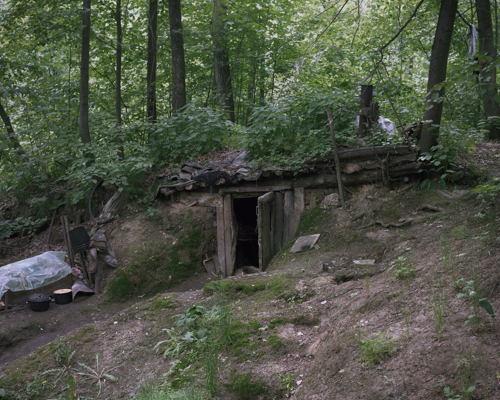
pixel 247 246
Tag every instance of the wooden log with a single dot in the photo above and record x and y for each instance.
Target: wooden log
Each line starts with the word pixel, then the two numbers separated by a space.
pixel 255 189
pixel 326 180
pixel 365 152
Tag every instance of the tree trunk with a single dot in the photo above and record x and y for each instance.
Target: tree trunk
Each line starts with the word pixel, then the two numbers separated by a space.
pixel 222 69
pixel 152 52
pixel 178 63
pixel 488 80
pixel 84 74
pixel 437 74
pixel 118 83
pixel 10 131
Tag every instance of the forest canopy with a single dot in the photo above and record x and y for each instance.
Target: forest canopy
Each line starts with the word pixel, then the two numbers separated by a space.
pixel 103 89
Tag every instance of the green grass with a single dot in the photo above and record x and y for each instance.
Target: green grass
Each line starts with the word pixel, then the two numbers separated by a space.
pixel 245 387
pixel 372 351
pixel 278 321
pixel 160 304
pixel 310 221
pixel 247 289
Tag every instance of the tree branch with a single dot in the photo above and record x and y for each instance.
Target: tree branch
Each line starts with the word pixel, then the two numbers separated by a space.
pixel 400 30
pixel 463 19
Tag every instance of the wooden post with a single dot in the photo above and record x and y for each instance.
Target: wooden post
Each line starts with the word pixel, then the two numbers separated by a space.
pixel 336 158
pixel 288 208
pixel 67 241
pixel 51 225
pixel 86 273
pixel 228 234
pixel 98 278
pixel 365 101
pixel 278 222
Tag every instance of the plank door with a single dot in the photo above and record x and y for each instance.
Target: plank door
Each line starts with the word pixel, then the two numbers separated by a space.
pixel 265 227
pixel 230 235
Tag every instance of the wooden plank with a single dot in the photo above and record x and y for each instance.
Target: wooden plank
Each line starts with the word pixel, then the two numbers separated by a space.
pixel 278 221
pixel 228 215
pixel 287 208
pixel 234 241
pixel 221 243
pixel 296 213
pixel 298 199
pixel 266 198
pixel 265 221
pixel 255 189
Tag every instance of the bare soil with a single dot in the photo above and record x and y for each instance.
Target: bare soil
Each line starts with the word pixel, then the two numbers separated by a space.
pixel 316 310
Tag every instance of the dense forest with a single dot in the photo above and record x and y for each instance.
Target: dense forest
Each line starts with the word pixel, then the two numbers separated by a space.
pixel 106 89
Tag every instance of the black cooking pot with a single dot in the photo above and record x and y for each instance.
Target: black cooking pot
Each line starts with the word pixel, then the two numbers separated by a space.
pixel 63 296
pixel 39 302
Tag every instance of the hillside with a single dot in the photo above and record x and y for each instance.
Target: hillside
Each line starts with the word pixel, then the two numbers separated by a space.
pixel 315 325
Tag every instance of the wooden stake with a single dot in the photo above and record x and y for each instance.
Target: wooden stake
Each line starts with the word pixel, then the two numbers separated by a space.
pixel 336 158
pixel 67 242
pixel 51 225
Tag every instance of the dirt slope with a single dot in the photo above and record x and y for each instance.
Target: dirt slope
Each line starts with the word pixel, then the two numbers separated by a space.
pixel 316 322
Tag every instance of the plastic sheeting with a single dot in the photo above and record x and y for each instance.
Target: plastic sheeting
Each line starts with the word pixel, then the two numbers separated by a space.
pixel 383 124
pixel 34 272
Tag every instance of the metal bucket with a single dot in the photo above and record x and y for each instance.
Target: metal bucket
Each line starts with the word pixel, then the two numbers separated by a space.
pixel 80 239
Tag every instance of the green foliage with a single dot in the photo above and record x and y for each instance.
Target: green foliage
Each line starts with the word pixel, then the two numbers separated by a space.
pixel 97 374
pixel 201 335
pixel 403 268
pixel 172 346
pixel 460 231
pixel 20 225
pixel 297 125
pixel 2 390
pixel 215 286
pixel 245 387
pixel 185 135
pixel 375 350
pixel 64 357
pixel 287 382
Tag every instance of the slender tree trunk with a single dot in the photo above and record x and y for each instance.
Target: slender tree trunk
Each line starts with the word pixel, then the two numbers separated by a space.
pixel 489 76
pixel 118 83
pixel 152 53
pixel 10 131
pixel 178 63
pixel 222 69
pixel 84 74
pixel 437 74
